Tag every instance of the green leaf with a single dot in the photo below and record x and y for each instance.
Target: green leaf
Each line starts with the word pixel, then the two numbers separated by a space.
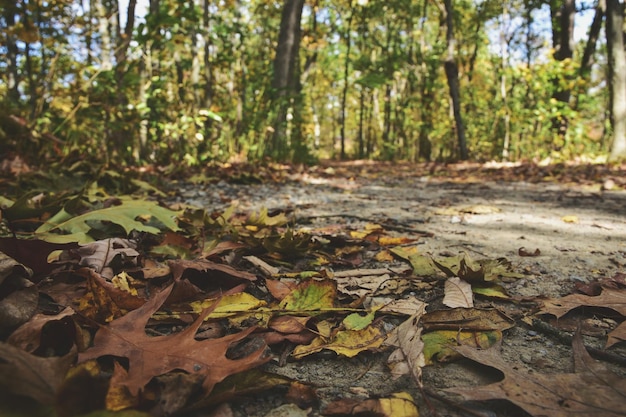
pixel 439 345
pixel 356 321
pixel 311 296
pixel 77 228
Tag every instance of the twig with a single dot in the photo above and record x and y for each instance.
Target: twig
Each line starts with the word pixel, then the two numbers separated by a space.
pixel 406 229
pixel 566 339
pixel 449 402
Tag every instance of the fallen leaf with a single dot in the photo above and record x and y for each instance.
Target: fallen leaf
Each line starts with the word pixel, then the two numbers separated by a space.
pixel 124 215
pixel 208 274
pixel 267 269
pixel 33 253
pixel 236 307
pixel 358 321
pixel 410 346
pixel 301 394
pixel 240 385
pixel 491 291
pixel 458 293
pixel 480 209
pixel 523 252
pixel 570 219
pixel 593 390
pixel 617 335
pixel 101 255
pixel 347 343
pixel 439 346
pixel 19 295
pixel 406 306
pixel 310 295
pixel 104 301
pixel 152 356
pixel 25 374
pixel 28 336
pixel 474 319
pixel 400 404
pixel 360 286
pixel 288 410
pixel 263 219
pixel 609 298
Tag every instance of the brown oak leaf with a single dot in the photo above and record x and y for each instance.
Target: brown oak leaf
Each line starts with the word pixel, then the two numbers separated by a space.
pixel 610 298
pixel 592 390
pixel 33 376
pixel 149 357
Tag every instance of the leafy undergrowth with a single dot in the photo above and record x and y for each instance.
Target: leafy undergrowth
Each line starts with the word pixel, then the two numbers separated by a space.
pixel 127 305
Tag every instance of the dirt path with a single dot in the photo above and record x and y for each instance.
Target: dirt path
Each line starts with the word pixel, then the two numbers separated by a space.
pixel 580 232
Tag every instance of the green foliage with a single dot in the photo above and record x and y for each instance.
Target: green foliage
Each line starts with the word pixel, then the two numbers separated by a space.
pixel 130 215
pixel 192 86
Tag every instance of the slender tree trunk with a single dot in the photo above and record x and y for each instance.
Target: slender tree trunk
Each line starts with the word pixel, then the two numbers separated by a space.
pixel 106 62
pixel 13 73
pixel 361 116
pixel 504 51
pixel 562 13
pixel 426 96
pixel 121 51
pixel 285 83
pixel 387 145
pixel 587 60
pixel 452 74
pixel 194 77
pixel 346 74
pixel 617 76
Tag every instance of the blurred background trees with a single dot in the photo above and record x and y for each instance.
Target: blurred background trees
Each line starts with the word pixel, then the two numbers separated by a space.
pixel 133 82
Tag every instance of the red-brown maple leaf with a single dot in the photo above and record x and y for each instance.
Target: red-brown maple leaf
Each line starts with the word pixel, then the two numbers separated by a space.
pixel 152 356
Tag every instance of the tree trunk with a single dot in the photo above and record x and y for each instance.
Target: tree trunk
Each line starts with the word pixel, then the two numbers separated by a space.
pixel 285 83
pixel 504 51
pixel 617 76
pixel 13 73
pixel 586 62
pixel 452 74
pixel 361 142
pixel 105 36
pixel 346 74
pixel 562 13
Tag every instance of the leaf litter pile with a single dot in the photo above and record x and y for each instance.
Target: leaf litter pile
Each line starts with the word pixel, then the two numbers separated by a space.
pixel 136 305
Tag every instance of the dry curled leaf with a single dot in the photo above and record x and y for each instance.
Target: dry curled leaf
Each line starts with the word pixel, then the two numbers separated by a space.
pixel 458 293
pixel 523 252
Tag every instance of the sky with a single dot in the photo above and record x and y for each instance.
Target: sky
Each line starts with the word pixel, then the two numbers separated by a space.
pixel 581 26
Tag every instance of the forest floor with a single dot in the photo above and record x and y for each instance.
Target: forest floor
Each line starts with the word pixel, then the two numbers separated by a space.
pixel 561 228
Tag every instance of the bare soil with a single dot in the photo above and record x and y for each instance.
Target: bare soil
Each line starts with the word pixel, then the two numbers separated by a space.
pixel 578 227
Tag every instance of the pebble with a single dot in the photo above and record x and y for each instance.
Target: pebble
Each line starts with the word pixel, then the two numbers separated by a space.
pixel 532 333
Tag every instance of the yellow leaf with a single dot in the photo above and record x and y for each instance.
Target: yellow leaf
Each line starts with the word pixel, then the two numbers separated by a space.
pixel 264 219
pixel 400 404
pixel 384 256
pixel 388 240
pixel 325 328
pixel 347 343
pixel 121 281
pixel 229 305
pixel 359 234
pixel 570 219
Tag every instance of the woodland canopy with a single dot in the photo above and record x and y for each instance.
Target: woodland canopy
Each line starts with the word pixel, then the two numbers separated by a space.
pixel 138 82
